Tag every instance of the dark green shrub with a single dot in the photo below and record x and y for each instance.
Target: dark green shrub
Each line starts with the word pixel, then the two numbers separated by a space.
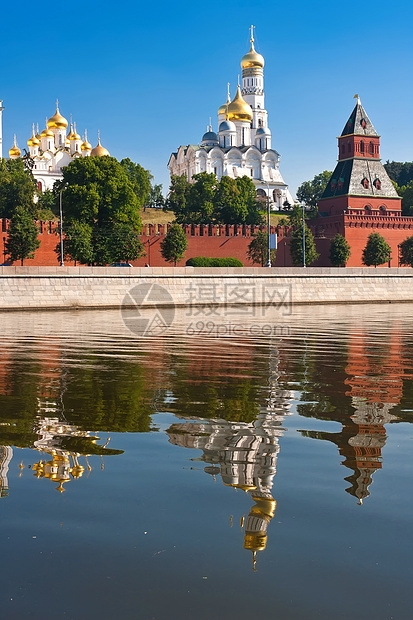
pixel 205 261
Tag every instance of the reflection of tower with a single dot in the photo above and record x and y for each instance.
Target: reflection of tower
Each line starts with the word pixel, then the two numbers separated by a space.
pixel 6 454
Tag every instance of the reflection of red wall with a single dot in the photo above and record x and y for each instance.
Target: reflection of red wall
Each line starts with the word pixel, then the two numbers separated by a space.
pixel 375 374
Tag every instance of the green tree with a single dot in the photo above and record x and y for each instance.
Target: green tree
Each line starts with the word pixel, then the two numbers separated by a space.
pixel 155 198
pixel 174 244
pixel 200 199
pixel 98 191
pixel 229 207
pixel 406 194
pixel 47 205
pixel 17 188
pixel 406 252
pixel 22 239
pixel 295 218
pixel 296 247
pixel 339 251
pixel 248 196
pixel 177 198
pixel 310 192
pixel 377 251
pixel 400 172
pixel 258 249
pixel 139 178
pixel 77 243
pixel 124 244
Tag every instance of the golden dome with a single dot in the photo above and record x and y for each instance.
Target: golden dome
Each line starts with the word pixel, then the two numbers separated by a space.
pixel 33 141
pixel 99 150
pixel 57 121
pixel 14 151
pixel 70 134
pixel 252 59
pixel 46 133
pixel 238 109
pixel 86 146
pixel 75 136
pixel 37 132
pixel 223 108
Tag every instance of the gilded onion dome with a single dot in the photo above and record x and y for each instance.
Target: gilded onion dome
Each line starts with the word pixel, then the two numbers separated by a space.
pixel 15 151
pixel 70 134
pixel 57 121
pixel 99 150
pixel 86 146
pixel 223 108
pixel 46 133
pixel 33 141
pixel 37 132
pixel 252 59
pixel 75 135
pixel 239 109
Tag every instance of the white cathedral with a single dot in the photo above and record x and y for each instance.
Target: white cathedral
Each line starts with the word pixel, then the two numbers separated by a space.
pixel 53 149
pixel 243 143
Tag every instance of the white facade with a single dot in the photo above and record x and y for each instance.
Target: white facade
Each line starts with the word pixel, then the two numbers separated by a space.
pixel 242 145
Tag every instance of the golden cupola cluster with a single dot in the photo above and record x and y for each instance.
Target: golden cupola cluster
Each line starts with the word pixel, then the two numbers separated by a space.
pixel 34 140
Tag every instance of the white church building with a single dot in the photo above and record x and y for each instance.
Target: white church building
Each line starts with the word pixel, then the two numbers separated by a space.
pixel 53 149
pixel 242 145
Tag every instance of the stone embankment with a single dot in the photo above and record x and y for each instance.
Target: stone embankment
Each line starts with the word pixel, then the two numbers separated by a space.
pixel 55 288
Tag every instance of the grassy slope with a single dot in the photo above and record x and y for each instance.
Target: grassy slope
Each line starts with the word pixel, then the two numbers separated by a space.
pixel 157 216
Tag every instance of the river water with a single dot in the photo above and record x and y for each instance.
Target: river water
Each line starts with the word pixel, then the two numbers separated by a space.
pixel 233 466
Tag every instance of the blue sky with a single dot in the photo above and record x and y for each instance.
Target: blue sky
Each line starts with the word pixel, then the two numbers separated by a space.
pixel 149 75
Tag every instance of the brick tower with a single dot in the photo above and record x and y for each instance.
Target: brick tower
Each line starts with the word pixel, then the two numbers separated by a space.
pixel 359 183
pixel 359 198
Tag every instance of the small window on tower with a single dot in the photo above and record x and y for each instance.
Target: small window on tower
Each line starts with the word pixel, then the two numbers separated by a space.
pixel 365 183
pixel 377 183
pixel 371 147
pixel 215 171
pixel 361 146
pixel 363 123
pixel 348 147
pixel 343 148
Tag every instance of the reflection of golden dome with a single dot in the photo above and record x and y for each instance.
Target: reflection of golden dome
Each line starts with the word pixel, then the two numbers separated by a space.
pixel 252 59
pixel 14 151
pixel 99 150
pixel 57 121
pixel 244 487
pixel 33 141
pixel 256 541
pixel 238 109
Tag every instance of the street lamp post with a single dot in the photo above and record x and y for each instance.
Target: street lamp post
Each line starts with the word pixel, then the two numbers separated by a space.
pixel 303 238
pixel 61 230
pixel 268 226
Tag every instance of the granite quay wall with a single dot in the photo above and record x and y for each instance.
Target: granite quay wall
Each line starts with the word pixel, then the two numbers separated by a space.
pixel 29 288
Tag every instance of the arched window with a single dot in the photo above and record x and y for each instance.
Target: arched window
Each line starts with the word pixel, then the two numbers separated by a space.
pixel 367 208
pixel 371 147
pixel 343 148
pixel 377 183
pixel 361 146
pixel 260 122
pixel 40 186
pixel 383 209
pixel 365 183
